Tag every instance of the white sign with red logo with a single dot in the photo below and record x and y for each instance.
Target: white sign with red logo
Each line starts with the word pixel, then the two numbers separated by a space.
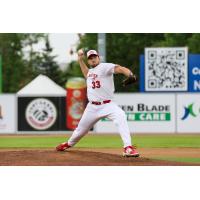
pixel 41 114
pixel 7 113
pixel 188 113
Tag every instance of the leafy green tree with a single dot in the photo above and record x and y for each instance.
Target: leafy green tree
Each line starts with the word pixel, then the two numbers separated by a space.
pixel 73 70
pixel 15 49
pixel 88 41
pixel 174 40
pixel 194 43
pixel 48 65
pixel 32 57
pixel 12 61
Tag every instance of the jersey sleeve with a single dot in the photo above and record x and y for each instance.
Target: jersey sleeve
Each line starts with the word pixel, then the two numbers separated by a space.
pixel 109 68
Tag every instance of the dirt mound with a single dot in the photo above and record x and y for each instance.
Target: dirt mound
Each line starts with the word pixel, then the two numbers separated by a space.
pixel 75 157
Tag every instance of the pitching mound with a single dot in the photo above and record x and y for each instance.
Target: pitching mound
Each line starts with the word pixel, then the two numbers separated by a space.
pixel 75 157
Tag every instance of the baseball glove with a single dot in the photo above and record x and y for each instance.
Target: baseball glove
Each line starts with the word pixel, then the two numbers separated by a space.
pixel 130 80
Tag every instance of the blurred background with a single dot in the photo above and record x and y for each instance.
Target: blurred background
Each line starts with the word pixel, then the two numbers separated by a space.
pixel 43 91
pixel 43 88
pixel 25 55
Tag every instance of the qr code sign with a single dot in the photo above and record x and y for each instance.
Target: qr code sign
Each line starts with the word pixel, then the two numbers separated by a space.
pixel 166 69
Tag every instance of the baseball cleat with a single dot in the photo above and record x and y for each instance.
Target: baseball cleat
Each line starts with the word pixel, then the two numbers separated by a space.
pixel 130 151
pixel 62 147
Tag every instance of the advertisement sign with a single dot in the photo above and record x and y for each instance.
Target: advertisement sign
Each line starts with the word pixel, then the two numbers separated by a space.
pixel 41 113
pixel 146 113
pixel 75 102
pixel 188 113
pixel 7 113
pixel 166 69
pixel 194 73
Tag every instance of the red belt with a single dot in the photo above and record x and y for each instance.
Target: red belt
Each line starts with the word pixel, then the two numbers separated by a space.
pixel 99 103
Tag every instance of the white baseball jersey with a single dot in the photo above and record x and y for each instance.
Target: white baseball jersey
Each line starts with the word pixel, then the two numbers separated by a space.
pixel 100 84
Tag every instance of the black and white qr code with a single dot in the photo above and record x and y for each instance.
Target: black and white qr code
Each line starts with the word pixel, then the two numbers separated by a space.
pixel 166 69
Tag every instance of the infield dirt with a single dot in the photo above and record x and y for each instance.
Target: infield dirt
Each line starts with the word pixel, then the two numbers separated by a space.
pixel 91 157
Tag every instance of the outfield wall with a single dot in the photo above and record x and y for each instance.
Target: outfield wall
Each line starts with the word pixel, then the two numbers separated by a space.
pixel 8 118
pixel 188 113
pixel 157 113
pixel 146 113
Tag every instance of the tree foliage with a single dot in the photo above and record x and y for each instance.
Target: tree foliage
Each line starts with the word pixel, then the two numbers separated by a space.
pixel 48 66
pixel 21 62
pixel 12 58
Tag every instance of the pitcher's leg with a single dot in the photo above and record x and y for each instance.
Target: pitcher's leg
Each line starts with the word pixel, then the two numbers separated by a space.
pixel 87 121
pixel 89 118
pixel 83 128
pixel 119 118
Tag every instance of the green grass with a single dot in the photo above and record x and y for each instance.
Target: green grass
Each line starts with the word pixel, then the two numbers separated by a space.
pixel 101 141
pixel 107 141
pixel 178 159
pixel 167 141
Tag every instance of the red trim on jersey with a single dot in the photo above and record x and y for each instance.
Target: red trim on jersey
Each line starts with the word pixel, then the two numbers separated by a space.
pixel 100 103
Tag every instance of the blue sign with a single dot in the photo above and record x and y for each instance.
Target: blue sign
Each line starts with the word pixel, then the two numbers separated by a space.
pixel 194 73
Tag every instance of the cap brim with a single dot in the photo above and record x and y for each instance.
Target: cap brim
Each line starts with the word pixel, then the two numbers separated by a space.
pixel 92 55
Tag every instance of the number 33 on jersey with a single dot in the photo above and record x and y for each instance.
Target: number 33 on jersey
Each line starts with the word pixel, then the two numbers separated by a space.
pixel 96 84
pixel 100 84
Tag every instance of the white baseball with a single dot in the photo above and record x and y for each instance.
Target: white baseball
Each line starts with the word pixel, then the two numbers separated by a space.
pixel 80 52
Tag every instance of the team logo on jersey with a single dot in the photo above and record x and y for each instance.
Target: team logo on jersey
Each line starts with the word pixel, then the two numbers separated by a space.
pixel 41 114
pixel 93 76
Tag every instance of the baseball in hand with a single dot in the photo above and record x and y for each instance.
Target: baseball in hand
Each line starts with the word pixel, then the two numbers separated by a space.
pixel 80 52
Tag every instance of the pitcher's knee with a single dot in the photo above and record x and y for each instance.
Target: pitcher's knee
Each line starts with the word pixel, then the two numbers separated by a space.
pixel 122 116
pixel 120 119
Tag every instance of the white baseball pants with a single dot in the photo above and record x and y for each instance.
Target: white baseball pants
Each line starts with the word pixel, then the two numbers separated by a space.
pixel 93 113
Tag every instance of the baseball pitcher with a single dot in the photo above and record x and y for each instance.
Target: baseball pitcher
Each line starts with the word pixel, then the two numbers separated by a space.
pixel 100 93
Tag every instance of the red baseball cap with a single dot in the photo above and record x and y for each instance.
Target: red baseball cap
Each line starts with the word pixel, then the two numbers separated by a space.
pixel 91 53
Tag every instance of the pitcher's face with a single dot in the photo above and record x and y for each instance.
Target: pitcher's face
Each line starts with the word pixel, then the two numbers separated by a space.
pixel 93 60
